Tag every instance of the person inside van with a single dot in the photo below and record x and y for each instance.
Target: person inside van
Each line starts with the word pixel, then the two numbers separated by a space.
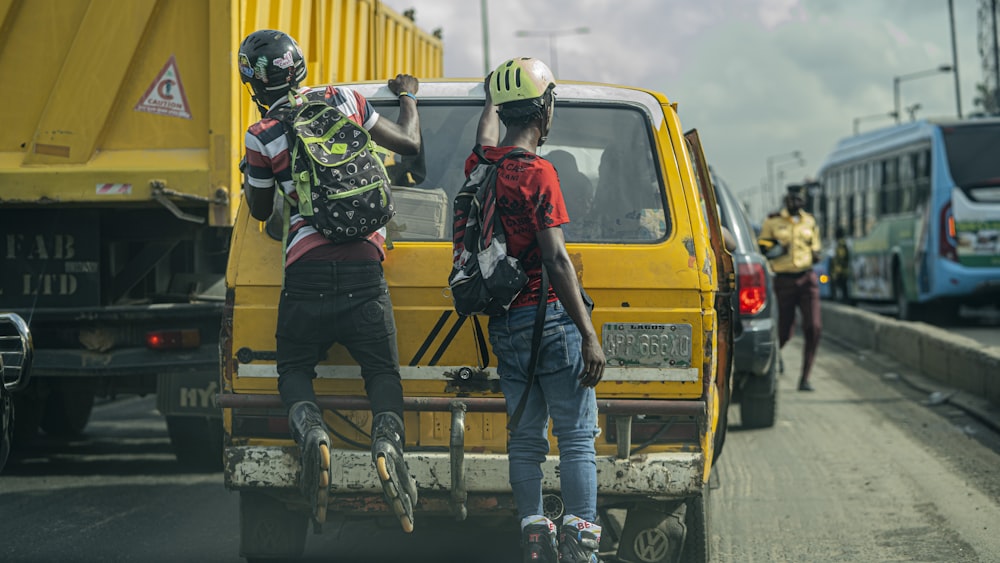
pixel 578 190
pixel 331 292
pixel 570 360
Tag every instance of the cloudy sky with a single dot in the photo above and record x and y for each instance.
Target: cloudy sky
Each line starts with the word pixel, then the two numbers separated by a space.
pixel 758 78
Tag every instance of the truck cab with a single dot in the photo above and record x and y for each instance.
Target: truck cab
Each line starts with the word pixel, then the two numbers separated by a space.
pixel 645 238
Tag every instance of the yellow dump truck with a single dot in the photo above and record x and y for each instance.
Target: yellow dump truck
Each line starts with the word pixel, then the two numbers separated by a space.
pixel 645 237
pixel 123 124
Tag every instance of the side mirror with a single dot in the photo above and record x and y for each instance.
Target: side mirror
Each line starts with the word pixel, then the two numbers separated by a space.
pixel 16 352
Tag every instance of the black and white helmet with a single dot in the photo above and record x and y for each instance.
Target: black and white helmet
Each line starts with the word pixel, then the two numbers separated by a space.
pixel 271 62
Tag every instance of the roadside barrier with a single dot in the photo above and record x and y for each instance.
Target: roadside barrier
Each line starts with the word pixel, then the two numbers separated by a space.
pixel 950 359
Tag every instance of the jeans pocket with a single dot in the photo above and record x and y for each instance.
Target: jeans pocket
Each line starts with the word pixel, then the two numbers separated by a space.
pixel 371 308
pixel 553 351
pixel 296 311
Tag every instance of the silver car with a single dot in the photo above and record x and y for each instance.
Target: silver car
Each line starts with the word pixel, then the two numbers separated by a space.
pixel 755 357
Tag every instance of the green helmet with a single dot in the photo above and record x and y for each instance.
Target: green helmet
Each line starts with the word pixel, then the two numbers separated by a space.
pixel 520 78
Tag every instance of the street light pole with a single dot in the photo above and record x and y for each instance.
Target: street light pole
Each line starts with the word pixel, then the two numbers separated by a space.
pixel 954 58
pixel 486 37
pixel 795 155
pixel 552 35
pixel 858 120
pixel 897 79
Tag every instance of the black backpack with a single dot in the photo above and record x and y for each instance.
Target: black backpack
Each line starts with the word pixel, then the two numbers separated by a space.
pixel 484 279
pixel 342 186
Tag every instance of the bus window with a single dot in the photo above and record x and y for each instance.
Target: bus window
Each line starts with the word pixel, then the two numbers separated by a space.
pixel 906 182
pixel 923 178
pixel 972 154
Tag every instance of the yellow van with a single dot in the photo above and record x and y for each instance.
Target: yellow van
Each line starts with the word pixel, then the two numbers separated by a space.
pixel 647 249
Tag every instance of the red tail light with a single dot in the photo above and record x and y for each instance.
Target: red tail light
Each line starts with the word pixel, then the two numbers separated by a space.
pixel 946 235
pixel 753 288
pixel 173 339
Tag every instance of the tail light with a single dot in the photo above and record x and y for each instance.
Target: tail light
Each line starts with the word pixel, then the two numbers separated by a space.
pixel 946 235
pixel 753 288
pixel 173 339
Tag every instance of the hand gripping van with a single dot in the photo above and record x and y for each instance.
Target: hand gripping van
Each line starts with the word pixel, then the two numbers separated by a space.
pixel 646 242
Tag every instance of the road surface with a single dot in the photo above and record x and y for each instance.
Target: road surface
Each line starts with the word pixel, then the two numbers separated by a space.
pixel 860 470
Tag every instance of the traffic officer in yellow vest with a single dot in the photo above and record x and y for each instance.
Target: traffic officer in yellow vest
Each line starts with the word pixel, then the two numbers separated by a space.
pixel 791 241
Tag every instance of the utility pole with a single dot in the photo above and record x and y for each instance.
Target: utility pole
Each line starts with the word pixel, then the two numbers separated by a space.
pixel 486 37
pixel 996 55
pixel 954 58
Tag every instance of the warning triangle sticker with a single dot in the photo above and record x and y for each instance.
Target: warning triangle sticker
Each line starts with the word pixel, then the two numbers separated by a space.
pixel 165 96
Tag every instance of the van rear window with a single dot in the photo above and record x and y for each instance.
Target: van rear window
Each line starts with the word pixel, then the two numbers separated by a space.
pixel 603 153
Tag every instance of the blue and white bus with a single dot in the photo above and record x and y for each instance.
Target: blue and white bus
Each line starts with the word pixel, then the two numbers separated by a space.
pixel 921 206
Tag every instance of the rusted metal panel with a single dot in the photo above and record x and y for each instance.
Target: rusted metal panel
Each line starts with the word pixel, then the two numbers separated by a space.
pixel 673 474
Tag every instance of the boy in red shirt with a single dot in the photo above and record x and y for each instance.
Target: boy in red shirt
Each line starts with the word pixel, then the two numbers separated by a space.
pixel 570 360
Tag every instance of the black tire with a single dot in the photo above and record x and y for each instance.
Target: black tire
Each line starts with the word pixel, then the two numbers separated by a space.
pixel 697 541
pixel 197 441
pixel 905 309
pixel 269 530
pixel 28 410
pixel 67 409
pixel 723 426
pixel 759 401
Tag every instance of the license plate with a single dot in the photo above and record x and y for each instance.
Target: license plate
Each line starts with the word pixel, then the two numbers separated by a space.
pixel 647 345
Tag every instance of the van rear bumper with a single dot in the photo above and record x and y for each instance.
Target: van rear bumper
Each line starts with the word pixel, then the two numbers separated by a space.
pixel 668 475
pixel 461 478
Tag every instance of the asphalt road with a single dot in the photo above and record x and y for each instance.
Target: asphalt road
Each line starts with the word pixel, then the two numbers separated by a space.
pixel 860 470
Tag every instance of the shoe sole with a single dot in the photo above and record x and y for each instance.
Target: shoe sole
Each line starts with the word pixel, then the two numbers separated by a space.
pixel 393 494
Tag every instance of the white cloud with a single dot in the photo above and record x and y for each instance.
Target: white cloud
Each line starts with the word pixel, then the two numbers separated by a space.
pixel 757 77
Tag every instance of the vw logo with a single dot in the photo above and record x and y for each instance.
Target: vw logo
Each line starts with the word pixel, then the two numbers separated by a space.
pixel 651 545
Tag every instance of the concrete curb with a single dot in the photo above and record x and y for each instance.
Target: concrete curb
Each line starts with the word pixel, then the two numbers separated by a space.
pixel 926 357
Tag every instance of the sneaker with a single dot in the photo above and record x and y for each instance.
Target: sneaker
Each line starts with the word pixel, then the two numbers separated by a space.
pixel 579 541
pixel 538 540
pixel 398 486
pixel 309 431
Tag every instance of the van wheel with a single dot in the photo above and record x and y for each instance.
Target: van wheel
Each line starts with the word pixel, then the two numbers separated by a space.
pixel 197 441
pixel 269 530
pixel 697 541
pixel 759 401
pixel 652 533
pixel 67 409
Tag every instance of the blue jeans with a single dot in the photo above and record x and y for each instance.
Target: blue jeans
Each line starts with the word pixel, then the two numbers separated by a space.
pixel 556 393
pixel 346 302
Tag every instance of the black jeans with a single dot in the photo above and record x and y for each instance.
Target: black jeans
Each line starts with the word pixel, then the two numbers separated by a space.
pixel 338 302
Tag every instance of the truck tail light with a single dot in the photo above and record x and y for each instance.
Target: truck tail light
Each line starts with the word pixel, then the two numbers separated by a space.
pixel 946 235
pixel 753 288
pixel 184 339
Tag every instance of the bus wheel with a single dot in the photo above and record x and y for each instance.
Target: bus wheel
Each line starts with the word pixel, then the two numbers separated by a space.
pixel 905 309
pixel 269 530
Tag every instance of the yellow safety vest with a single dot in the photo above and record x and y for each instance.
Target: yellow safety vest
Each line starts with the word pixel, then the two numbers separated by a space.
pixel 799 238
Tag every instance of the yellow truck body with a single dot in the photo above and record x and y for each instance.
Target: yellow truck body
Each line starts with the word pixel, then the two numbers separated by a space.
pixel 648 249
pixel 119 183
